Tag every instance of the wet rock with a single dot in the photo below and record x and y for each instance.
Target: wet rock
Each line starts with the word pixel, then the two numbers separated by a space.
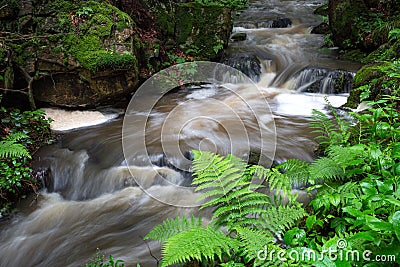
pixel 326 81
pixel 275 23
pixel 249 64
pixel 281 23
pixel 374 75
pixel 322 28
pixel 87 58
pixel 239 36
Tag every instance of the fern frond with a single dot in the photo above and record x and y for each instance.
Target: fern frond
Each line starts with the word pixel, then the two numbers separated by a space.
pixel 347 156
pixel 226 186
pixel 279 219
pixel 252 242
pixel 278 181
pixel 326 169
pixel 172 227
pixel 323 125
pixel 296 171
pixel 9 149
pixel 197 244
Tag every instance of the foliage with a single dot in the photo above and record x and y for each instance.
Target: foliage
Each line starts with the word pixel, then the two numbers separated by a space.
pixel 22 133
pixel 227 186
pixel 232 4
pixel 201 244
pixel 100 261
pixel 9 148
pixel 171 227
pixel 355 206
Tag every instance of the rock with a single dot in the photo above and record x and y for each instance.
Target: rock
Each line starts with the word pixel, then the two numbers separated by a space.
pixel 326 81
pixel 281 23
pixel 249 64
pixel 377 77
pixel 342 20
pixel 275 23
pixel 239 36
pixel 351 22
pixel 88 57
pixel 87 53
pixel 322 28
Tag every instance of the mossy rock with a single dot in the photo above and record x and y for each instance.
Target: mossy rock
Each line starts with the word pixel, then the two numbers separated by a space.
pixel 85 41
pixel 373 81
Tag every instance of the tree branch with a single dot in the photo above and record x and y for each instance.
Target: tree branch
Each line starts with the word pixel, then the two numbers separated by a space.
pixel 21 91
pixel 29 79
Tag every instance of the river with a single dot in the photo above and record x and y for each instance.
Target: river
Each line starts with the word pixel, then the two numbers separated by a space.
pixel 93 200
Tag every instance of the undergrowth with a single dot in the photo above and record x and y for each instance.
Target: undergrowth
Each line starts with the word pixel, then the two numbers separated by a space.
pixel 353 218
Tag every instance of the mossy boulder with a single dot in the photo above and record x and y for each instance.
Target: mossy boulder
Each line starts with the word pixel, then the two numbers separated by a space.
pixel 80 53
pixel 373 81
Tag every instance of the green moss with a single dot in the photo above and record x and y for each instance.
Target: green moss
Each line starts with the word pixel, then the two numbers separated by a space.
pixel 106 60
pixel 91 41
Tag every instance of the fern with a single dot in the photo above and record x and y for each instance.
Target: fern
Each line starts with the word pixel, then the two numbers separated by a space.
pixel 252 242
pixel 201 244
pixel 227 187
pixel 325 169
pixel 171 227
pixel 10 148
pixel 331 131
pixel 324 126
pixel 279 219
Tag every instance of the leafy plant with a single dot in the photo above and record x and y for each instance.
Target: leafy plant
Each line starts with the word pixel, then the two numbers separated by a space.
pixel 100 261
pixel 355 204
pixel 22 133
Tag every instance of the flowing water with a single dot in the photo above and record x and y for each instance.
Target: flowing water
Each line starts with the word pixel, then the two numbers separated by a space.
pixel 93 200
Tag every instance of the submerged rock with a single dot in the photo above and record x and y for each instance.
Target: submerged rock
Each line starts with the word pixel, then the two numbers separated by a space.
pixel 239 36
pixel 275 23
pixel 325 81
pixel 249 64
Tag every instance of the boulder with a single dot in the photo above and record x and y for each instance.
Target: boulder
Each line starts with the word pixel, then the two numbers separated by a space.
pixel 249 64
pixel 326 81
pixel 77 53
pixel 239 36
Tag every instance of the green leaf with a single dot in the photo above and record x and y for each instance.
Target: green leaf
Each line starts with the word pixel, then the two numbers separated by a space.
pixel 352 211
pixel 335 199
pixel 197 244
pixel 369 188
pixel 311 221
pixel 377 224
pixel 396 150
pixel 295 237
pixel 396 223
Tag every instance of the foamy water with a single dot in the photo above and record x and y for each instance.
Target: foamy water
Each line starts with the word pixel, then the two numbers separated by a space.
pixel 65 120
